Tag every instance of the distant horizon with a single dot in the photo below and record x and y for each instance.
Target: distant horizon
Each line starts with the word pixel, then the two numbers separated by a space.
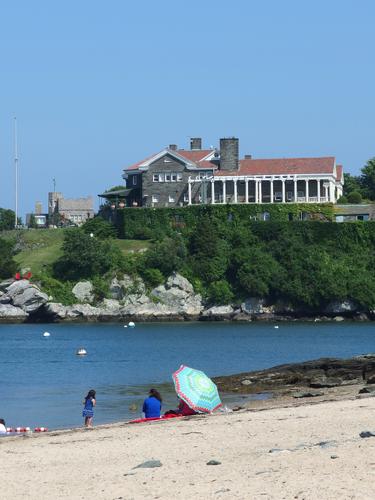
pixel 96 88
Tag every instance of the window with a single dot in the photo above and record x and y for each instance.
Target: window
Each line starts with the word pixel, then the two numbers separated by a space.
pixel 186 197
pixel 167 177
pixel 174 177
pixel 134 180
pixel 155 198
pixel 155 178
pixel 161 177
pixel 171 199
pixel 179 177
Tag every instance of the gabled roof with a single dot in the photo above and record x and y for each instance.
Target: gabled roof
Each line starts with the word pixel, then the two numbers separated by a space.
pixel 339 173
pixel 193 157
pixel 283 166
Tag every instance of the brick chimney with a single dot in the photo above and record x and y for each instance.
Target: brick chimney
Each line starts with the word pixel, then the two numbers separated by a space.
pixel 229 153
pixel 173 147
pixel 195 143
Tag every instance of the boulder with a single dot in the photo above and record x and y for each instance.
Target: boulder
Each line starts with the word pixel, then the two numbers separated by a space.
pixel 341 307
pixel 132 285
pixel 55 310
pixel 178 296
pixel 253 305
pixel 25 295
pixel 218 313
pixel 85 311
pixel 83 291
pixel 9 312
pixel 4 284
pixel 178 281
pixel 116 290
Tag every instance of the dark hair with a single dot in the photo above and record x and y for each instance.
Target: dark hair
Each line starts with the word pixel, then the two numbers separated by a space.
pixel 155 394
pixel 2 421
pixel 90 394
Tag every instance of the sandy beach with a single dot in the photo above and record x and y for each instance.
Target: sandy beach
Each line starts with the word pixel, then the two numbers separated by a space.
pixel 302 450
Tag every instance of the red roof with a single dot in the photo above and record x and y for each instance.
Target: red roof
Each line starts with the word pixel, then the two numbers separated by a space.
pixel 283 166
pixel 338 172
pixel 195 155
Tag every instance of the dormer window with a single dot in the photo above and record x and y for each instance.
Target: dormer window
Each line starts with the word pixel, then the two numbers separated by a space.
pixel 135 180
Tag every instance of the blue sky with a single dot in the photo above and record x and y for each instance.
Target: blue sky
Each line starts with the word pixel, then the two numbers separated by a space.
pixel 98 85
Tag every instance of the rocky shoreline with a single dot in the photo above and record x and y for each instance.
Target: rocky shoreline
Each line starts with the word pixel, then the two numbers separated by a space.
pixel 305 379
pixel 175 300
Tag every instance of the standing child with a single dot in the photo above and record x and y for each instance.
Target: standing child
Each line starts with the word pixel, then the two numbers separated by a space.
pixel 88 410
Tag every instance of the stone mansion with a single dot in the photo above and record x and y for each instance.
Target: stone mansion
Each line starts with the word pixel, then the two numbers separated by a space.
pixel 177 177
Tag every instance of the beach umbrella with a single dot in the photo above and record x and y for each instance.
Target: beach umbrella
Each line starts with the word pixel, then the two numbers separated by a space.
pixel 196 389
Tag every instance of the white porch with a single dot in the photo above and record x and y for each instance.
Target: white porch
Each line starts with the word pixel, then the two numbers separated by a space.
pixel 263 189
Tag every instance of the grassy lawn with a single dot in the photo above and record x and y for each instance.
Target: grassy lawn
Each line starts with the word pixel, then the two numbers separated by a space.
pixel 42 247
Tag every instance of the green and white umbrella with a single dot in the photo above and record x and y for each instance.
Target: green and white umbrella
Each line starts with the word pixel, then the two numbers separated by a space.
pixel 196 389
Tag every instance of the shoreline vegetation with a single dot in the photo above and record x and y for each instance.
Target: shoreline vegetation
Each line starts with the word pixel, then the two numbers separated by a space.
pixel 288 446
pixel 200 263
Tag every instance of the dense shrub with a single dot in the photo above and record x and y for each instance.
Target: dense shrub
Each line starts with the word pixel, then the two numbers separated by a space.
pixel 100 228
pixel 342 200
pixel 354 197
pixel 60 291
pixel 8 266
pixel 220 292
pixel 152 277
pixel 86 257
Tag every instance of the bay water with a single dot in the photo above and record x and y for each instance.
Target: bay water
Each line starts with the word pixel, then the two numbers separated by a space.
pixel 43 381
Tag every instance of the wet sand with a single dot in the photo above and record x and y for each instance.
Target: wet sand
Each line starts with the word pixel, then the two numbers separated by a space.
pixel 277 449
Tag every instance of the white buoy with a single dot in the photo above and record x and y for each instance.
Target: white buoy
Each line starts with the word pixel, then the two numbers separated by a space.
pixel 81 352
pixel 46 334
pixel 276 326
pixel 125 326
pixel 131 324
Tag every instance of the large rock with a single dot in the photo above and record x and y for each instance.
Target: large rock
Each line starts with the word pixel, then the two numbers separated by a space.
pixel 116 290
pixel 177 295
pixel 25 295
pixel 341 307
pixel 11 313
pixel 218 313
pixel 83 291
pixel 55 311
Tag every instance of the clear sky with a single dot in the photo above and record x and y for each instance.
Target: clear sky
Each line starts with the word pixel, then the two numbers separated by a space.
pixel 98 85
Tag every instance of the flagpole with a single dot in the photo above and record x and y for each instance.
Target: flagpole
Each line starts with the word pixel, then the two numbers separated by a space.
pixel 16 172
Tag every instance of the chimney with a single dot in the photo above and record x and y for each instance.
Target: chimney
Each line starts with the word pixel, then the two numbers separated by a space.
pixel 229 152
pixel 248 157
pixel 195 143
pixel 173 147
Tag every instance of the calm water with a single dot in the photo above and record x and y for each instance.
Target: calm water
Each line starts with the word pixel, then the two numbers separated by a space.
pixel 42 381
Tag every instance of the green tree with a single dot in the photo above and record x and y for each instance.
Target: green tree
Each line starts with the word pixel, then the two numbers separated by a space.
pixel 100 228
pixel 167 255
pixel 342 200
pixel 220 292
pixel 355 197
pixel 351 183
pixel 368 179
pixel 85 257
pixel 8 266
pixel 6 219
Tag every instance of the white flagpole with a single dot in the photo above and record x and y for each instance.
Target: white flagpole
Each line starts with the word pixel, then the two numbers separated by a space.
pixel 16 172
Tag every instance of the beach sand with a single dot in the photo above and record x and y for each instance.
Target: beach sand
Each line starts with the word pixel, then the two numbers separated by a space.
pixel 308 451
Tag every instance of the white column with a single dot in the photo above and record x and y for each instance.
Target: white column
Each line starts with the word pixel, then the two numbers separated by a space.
pixel 212 192
pixel 246 191
pixel 271 191
pixel 224 192
pixel 307 190
pixel 260 191
pixel 318 189
pixel 256 191
pixel 235 190
pixel 331 192
pixel 283 190
pixel 295 190
pixel 189 191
